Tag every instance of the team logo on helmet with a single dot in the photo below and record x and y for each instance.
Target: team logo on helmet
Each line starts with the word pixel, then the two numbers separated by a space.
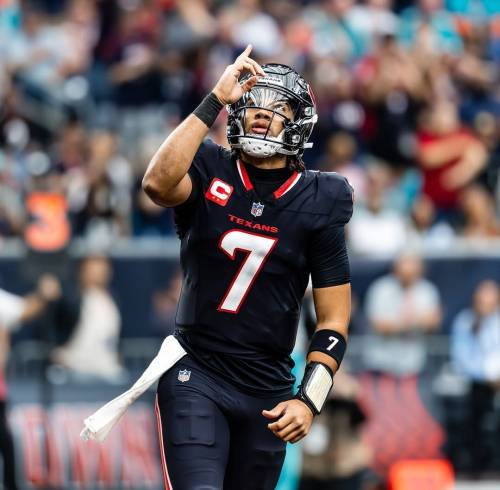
pixel 257 209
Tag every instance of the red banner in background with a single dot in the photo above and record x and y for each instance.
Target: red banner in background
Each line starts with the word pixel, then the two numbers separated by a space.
pixel 53 455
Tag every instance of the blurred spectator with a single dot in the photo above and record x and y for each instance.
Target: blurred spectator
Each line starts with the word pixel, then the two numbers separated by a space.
pixel 331 33
pixel 134 69
pixel 245 23
pixel 80 35
pixel 71 146
pixel 99 192
pixel 402 308
pixel 478 208
pixel 427 232
pixel 431 27
pixel 372 20
pixel 487 129
pixel 15 310
pixel 92 350
pixel 335 455
pixel 339 157
pixel 165 306
pixel 150 219
pixel 374 228
pixel 11 206
pixel 449 155
pixel 475 77
pixel 43 55
pixel 338 106
pixel 393 89
pixel 475 352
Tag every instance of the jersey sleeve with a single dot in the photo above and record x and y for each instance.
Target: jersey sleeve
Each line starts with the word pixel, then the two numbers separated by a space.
pixel 327 254
pixel 343 203
pixel 201 171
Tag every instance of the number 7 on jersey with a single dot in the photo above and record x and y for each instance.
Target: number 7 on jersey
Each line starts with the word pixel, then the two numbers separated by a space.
pixel 258 248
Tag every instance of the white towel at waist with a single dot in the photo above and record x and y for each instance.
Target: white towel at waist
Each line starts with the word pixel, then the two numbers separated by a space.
pixel 100 423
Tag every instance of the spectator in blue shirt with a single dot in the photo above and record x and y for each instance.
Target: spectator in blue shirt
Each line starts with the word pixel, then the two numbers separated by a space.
pixel 475 352
pixel 475 339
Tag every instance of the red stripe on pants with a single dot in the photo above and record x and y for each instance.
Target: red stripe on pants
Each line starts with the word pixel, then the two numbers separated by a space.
pixel 168 485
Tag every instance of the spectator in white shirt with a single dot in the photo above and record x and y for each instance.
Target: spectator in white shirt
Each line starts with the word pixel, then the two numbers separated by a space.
pixel 14 310
pixel 402 307
pixel 92 350
pixel 375 229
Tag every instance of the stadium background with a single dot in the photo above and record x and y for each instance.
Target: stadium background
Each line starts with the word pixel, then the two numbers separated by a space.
pixel 409 110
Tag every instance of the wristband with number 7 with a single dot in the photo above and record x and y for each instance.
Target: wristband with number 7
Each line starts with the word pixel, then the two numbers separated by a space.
pixel 329 342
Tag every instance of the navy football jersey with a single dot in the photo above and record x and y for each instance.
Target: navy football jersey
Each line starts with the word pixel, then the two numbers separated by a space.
pixel 246 262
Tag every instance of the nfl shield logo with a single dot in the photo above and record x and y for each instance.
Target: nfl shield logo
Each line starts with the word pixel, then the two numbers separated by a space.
pixel 184 375
pixel 257 209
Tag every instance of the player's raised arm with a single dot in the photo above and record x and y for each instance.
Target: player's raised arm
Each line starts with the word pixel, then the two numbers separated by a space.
pixel 166 180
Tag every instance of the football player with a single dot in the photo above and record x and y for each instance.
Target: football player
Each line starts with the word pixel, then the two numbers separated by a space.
pixel 254 225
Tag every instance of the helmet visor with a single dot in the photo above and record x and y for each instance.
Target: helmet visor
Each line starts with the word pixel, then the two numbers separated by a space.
pixel 272 100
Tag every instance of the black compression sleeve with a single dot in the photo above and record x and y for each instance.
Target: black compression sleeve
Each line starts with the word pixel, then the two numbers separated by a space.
pixel 328 258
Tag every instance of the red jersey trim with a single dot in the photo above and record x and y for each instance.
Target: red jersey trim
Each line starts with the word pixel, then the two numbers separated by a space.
pixel 281 191
pixel 287 185
pixel 244 175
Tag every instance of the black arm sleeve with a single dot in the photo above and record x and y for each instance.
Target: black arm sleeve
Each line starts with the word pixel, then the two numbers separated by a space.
pixel 328 258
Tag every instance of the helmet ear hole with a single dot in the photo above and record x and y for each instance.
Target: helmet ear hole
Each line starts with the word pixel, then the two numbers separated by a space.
pixel 292 135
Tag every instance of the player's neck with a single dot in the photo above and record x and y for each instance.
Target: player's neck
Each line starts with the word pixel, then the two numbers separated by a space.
pixel 276 161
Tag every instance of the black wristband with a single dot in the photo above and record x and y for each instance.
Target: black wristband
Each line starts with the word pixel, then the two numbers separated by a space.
pixel 209 109
pixel 329 342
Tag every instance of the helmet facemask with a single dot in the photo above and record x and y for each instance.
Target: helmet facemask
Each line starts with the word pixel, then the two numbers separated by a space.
pixel 269 109
pixel 281 95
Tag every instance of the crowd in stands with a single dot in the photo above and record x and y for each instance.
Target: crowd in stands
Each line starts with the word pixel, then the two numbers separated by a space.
pixel 409 111
pixel 407 95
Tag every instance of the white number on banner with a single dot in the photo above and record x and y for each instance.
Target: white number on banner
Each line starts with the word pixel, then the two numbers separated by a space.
pixel 258 248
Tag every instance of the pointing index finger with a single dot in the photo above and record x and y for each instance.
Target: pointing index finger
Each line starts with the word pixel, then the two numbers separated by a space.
pixel 247 51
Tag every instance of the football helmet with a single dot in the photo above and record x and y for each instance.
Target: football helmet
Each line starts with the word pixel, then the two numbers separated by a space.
pixel 282 86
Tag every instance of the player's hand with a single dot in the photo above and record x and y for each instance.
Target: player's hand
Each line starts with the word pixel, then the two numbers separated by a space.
pixel 228 88
pixel 294 420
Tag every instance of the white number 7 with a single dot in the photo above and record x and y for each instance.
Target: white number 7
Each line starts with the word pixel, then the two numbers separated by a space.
pixel 334 340
pixel 258 247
